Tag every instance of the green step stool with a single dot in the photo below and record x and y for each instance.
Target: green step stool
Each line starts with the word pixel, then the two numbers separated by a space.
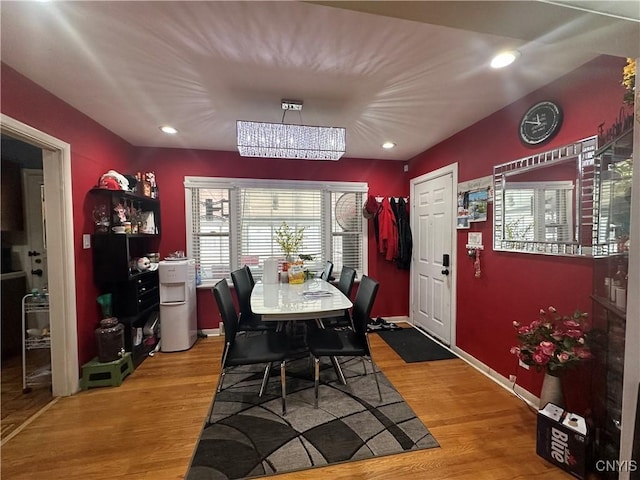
pixel 105 374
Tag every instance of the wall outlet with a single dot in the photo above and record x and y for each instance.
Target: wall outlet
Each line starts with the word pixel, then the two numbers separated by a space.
pixel 86 240
pixel 523 365
pixel 512 378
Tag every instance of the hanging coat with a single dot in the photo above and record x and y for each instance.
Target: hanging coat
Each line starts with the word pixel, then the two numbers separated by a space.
pixel 405 240
pixel 388 231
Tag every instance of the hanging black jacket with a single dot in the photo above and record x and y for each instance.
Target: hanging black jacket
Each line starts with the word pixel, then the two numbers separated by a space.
pixel 405 241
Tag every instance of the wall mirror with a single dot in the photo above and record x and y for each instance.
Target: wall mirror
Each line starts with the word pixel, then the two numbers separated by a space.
pixel 544 203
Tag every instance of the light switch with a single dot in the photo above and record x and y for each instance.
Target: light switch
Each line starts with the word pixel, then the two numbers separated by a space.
pixel 86 241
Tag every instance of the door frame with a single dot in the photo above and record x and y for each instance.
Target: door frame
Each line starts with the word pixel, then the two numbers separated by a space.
pixel 446 170
pixel 56 166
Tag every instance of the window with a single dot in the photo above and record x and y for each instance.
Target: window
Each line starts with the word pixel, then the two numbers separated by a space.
pixel 232 222
pixel 538 211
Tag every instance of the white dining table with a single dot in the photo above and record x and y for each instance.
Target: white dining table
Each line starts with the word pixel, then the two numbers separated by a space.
pixel 311 300
pixel 314 299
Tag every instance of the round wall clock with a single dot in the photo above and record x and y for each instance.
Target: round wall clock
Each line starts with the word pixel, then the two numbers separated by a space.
pixel 540 123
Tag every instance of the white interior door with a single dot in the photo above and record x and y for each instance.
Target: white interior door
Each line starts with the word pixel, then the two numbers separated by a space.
pixel 432 280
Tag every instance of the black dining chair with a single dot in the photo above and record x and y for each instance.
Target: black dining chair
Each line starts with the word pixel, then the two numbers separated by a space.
pixel 251 280
pixel 243 285
pixel 345 285
pixel 326 273
pixel 248 350
pixel 355 343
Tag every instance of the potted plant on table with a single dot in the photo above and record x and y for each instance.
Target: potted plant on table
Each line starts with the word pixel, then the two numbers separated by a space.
pixel 553 343
pixel 289 239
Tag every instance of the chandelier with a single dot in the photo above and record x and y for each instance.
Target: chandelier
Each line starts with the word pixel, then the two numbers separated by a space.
pixel 281 140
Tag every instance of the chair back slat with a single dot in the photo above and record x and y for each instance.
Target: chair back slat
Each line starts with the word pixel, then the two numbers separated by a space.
pixel 243 286
pixel 347 278
pixel 363 303
pixel 222 294
pixel 328 270
pixel 250 275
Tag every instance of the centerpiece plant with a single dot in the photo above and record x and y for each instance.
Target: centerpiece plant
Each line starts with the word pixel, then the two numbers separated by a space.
pixel 289 239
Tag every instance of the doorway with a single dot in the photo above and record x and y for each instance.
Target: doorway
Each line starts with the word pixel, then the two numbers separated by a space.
pixel 56 163
pixel 26 358
pixel 433 272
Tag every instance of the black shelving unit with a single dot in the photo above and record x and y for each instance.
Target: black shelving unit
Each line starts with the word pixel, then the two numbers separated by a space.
pixel 135 294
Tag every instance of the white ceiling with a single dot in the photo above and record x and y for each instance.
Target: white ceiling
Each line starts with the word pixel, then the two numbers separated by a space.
pixel 413 73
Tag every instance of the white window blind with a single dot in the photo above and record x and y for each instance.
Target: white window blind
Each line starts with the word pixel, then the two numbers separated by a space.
pixel 261 213
pixel 539 211
pixel 232 222
pixel 210 231
pixel 347 225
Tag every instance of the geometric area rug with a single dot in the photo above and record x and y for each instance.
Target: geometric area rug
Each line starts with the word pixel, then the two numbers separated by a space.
pixel 246 436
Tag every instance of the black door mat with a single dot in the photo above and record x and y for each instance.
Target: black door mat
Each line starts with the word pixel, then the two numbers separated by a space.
pixel 414 346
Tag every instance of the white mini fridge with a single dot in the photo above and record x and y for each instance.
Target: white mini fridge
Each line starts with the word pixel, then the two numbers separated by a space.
pixel 178 320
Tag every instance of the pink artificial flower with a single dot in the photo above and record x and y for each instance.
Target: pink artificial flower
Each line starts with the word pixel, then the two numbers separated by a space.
pixel 515 350
pixel 563 357
pixel 547 348
pixel 523 330
pixel 557 335
pixel 516 324
pixel 571 324
pixel 540 358
pixel 542 312
pixel 552 310
pixel 573 333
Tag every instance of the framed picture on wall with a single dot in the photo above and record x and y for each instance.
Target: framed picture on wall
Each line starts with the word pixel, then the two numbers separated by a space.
pixel 463 222
pixel 478 202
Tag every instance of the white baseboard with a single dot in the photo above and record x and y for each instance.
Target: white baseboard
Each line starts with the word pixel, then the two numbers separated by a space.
pixel 211 332
pixel 504 382
pixel 399 319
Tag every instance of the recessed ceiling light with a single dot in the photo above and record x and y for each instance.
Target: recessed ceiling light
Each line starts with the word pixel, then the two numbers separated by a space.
pixel 168 129
pixel 388 145
pixel 504 58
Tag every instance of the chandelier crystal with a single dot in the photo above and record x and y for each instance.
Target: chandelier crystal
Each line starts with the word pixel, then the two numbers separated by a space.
pixel 279 140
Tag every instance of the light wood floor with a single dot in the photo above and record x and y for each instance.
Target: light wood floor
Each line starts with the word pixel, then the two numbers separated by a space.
pixel 147 427
pixel 16 406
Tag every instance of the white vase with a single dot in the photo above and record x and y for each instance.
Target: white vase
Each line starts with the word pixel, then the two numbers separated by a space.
pixel 551 391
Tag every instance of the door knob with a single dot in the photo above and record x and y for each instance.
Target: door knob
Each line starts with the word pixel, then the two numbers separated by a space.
pixel 37 272
pixel 445 264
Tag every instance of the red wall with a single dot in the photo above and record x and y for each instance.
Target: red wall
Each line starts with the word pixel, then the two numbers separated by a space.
pixel 94 150
pixel 385 178
pixel 512 286
pixel 515 286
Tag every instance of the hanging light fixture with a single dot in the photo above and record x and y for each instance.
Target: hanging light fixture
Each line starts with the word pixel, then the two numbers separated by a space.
pixel 281 140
